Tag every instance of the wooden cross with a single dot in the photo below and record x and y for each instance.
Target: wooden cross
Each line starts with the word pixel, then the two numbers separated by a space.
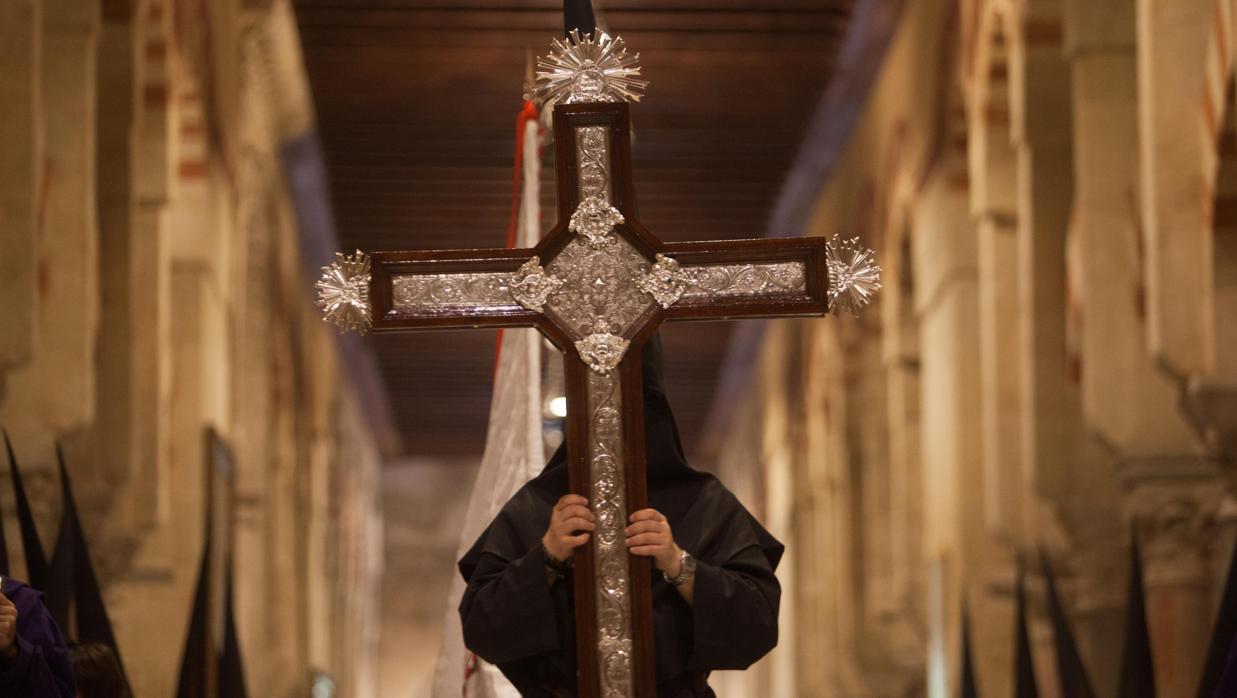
pixel 597 286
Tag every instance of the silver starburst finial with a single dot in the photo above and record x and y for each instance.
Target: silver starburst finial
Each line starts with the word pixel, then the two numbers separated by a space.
pixel 343 292
pixel 853 275
pixel 588 68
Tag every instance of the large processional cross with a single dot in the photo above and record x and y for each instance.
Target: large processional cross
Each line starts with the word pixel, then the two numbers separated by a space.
pixel 597 286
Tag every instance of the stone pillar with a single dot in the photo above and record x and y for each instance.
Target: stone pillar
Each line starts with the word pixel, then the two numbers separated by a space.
pixel 21 165
pixel 994 205
pixel 780 499
pixel 109 442
pixel 1126 404
pixel 1172 50
pixel 53 395
pixel 1051 412
pixel 1068 481
pixel 956 538
pixel 901 366
pixel 149 262
pixel 1174 503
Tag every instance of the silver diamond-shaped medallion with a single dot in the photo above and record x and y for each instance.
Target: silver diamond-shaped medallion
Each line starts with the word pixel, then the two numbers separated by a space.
pixel 602 351
pixel 531 285
pixel 665 281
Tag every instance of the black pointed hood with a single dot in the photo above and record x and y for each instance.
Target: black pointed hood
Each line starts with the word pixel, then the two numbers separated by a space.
pixel 665 460
pixel 1071 672
pixel 1024 670
pixel 38 574
pixel 968 689
pixel 578 15
pixel 74 583
pixel 1137 672
pixel 1222 651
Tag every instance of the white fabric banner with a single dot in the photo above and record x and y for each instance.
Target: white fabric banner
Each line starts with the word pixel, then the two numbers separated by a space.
pixel 514 454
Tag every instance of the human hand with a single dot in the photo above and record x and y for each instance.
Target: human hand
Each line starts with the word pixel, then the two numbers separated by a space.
pixel 570 523
pixel 8 628
pixel 649 535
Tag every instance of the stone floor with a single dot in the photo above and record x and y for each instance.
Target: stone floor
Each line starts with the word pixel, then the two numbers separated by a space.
pixel 424 502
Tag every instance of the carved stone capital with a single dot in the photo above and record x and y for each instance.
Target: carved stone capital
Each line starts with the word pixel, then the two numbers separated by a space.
pixel 1211 407
pixel 1173 502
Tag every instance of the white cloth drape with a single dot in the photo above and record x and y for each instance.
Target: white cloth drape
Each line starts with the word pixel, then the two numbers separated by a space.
pixel 514 454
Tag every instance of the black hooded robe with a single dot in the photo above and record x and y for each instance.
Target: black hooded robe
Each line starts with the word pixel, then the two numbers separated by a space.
pixel 513 618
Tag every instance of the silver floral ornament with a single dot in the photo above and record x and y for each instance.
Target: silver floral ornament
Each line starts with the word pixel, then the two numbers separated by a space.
pixel 595 219
pixel 343 292
pixel 602 351
pixel 531 286
pixel 665 281
pixel 853 275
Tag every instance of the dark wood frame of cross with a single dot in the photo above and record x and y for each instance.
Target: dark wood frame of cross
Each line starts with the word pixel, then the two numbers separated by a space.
pixel 713 280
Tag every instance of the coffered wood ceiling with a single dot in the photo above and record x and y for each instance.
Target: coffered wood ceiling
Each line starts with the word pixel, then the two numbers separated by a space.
pixel 416 103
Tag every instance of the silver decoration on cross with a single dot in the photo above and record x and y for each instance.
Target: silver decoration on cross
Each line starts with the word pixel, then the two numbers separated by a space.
pixel 602 351
pixel 665 281
pixel 595 219
pixel 588 68
pixel 609 501
pixel 599 293
pixel 598 302
pixel 599 284
pixel 531 285
pixel 343 292
pixel 593 162
pixel 438 293
pixel 756 280
pixel 853 275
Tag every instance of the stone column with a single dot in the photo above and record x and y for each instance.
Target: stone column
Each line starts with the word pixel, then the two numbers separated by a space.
pixel 109 442
pixel 54 394
pixel 1172 50
pixel 21 164
pixel 780 500
pixel 1067 479
pixel 994 206
pixel 149 261
pixel 901 366
pixel 957 541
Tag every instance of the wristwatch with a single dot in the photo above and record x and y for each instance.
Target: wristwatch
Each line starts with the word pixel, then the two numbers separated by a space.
pixel 552 562
pixel 687 570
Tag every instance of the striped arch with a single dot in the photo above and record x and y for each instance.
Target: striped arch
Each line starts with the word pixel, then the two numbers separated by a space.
pixel 1218 78
pixel 991 87
pixel 1218 121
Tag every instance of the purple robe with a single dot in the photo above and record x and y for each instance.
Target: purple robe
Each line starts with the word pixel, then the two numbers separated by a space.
pixel 1228 680
pixel 42 668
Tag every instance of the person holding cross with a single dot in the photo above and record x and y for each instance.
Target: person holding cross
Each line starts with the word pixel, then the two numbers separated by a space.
pixel 715 596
